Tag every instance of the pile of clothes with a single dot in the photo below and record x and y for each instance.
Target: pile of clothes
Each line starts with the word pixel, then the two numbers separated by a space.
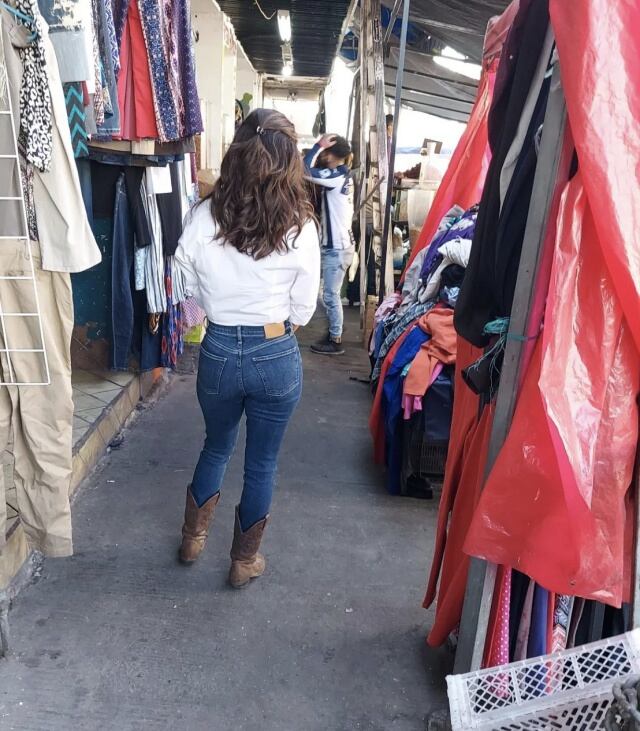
pixel 413 349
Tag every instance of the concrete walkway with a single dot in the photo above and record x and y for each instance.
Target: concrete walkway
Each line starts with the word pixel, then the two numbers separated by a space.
pixel 121 637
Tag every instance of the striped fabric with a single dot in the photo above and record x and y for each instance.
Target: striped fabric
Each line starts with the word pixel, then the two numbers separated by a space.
pixel 74 99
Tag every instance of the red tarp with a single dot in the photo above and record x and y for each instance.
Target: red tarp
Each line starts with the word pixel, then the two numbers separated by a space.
pixel 599 48
pixel 554 504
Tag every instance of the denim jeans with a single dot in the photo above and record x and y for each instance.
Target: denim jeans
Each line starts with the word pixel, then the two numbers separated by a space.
pixel 240 371
pixel 335 265
pixel 122 306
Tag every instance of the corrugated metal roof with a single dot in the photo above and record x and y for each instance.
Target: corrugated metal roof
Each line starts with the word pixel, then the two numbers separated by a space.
pixel 460 24
pixel 316 29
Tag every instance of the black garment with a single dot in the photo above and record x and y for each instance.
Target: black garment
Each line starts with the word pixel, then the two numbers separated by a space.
pixel 519 588
pixel 104 179
pixel 170 209
pixel 487 290
pixel 614 622
pixel 452 276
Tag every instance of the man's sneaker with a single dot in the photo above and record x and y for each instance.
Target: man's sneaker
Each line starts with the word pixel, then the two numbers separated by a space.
pixel 330 346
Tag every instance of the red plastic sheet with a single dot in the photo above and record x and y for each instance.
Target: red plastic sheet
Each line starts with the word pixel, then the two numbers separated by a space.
pixel 554 506
pixel 460 492
pixel 599 49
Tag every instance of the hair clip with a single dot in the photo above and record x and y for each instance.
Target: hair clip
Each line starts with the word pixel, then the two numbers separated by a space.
pixel 260 130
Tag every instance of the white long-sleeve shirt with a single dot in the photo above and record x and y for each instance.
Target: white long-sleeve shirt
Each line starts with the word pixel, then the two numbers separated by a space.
pixel 337 201
pixel 235 289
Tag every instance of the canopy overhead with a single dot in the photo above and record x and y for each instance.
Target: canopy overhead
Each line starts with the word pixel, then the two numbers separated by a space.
pixel 316 32
pixel 460 24
pixel 428 86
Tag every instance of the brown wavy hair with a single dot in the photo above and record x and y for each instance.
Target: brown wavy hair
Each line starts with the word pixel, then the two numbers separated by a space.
pixel 260 196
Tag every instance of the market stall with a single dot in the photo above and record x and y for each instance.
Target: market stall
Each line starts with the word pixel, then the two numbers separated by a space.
pixel 534 548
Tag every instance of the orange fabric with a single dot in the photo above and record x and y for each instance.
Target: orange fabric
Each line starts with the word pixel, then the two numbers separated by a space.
pixel 440 348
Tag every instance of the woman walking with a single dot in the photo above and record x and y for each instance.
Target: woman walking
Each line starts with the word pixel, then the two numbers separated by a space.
pixel 250 255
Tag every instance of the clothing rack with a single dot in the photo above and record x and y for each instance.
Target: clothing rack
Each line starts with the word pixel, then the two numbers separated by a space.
pixel 9 377
pixel 552 167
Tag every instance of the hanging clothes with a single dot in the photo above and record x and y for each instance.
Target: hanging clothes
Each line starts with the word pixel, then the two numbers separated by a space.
pixel 35 97
pixel 109 61
pixel 487 291
pixel 172 329
pixel 578 429
pixel 66 241
pixel 71 33
pixel 38 420
pixel 151 17
pixel 135 92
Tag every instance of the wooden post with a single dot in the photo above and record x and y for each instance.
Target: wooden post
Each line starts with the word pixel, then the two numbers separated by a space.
pixel 387 251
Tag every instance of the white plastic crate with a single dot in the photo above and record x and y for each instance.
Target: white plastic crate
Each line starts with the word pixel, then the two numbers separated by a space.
pixel 567 690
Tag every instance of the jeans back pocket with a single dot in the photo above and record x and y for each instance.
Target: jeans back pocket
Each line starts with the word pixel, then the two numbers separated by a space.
pixel 210 370
pixel 280 373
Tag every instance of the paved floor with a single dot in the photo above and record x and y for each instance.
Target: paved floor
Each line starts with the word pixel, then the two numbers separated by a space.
pixel 121 637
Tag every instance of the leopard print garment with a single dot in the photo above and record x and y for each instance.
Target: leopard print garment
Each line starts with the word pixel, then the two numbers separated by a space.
pixel 35 96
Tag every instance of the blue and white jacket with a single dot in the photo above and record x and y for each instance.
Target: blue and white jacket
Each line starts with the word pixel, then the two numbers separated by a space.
pixel 337 201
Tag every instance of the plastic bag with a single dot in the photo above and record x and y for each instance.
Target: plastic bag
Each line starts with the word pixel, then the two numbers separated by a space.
pixel 554 504
pixel 599 50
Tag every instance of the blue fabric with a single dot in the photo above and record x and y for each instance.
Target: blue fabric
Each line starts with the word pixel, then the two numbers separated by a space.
pixel 122 311
pixel 398 324
pixel 335 265
pixel 462 227
pixel 103 20
pixel 392 406
pixel 84 174
pixel 378 339
pixel 437 406
pixel 241 372
pixel 537 644
pixel 154 30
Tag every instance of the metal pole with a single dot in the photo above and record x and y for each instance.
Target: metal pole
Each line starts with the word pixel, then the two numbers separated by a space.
pixel 394 139
pixel 392 21
pixel 350 115
pixel 544 200
pixel 364 160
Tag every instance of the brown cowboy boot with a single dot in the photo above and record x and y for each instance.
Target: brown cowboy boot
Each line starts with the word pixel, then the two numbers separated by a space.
pixel 246 562
pixel 196 526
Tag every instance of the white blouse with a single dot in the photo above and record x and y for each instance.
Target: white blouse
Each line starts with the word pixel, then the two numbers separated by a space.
pixel 235 289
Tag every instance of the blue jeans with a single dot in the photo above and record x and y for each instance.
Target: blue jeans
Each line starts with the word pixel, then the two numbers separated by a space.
pixel 240 371
pixel 335 265
pixel 122 305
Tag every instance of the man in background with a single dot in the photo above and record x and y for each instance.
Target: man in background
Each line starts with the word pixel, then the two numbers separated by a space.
pixel 332 174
